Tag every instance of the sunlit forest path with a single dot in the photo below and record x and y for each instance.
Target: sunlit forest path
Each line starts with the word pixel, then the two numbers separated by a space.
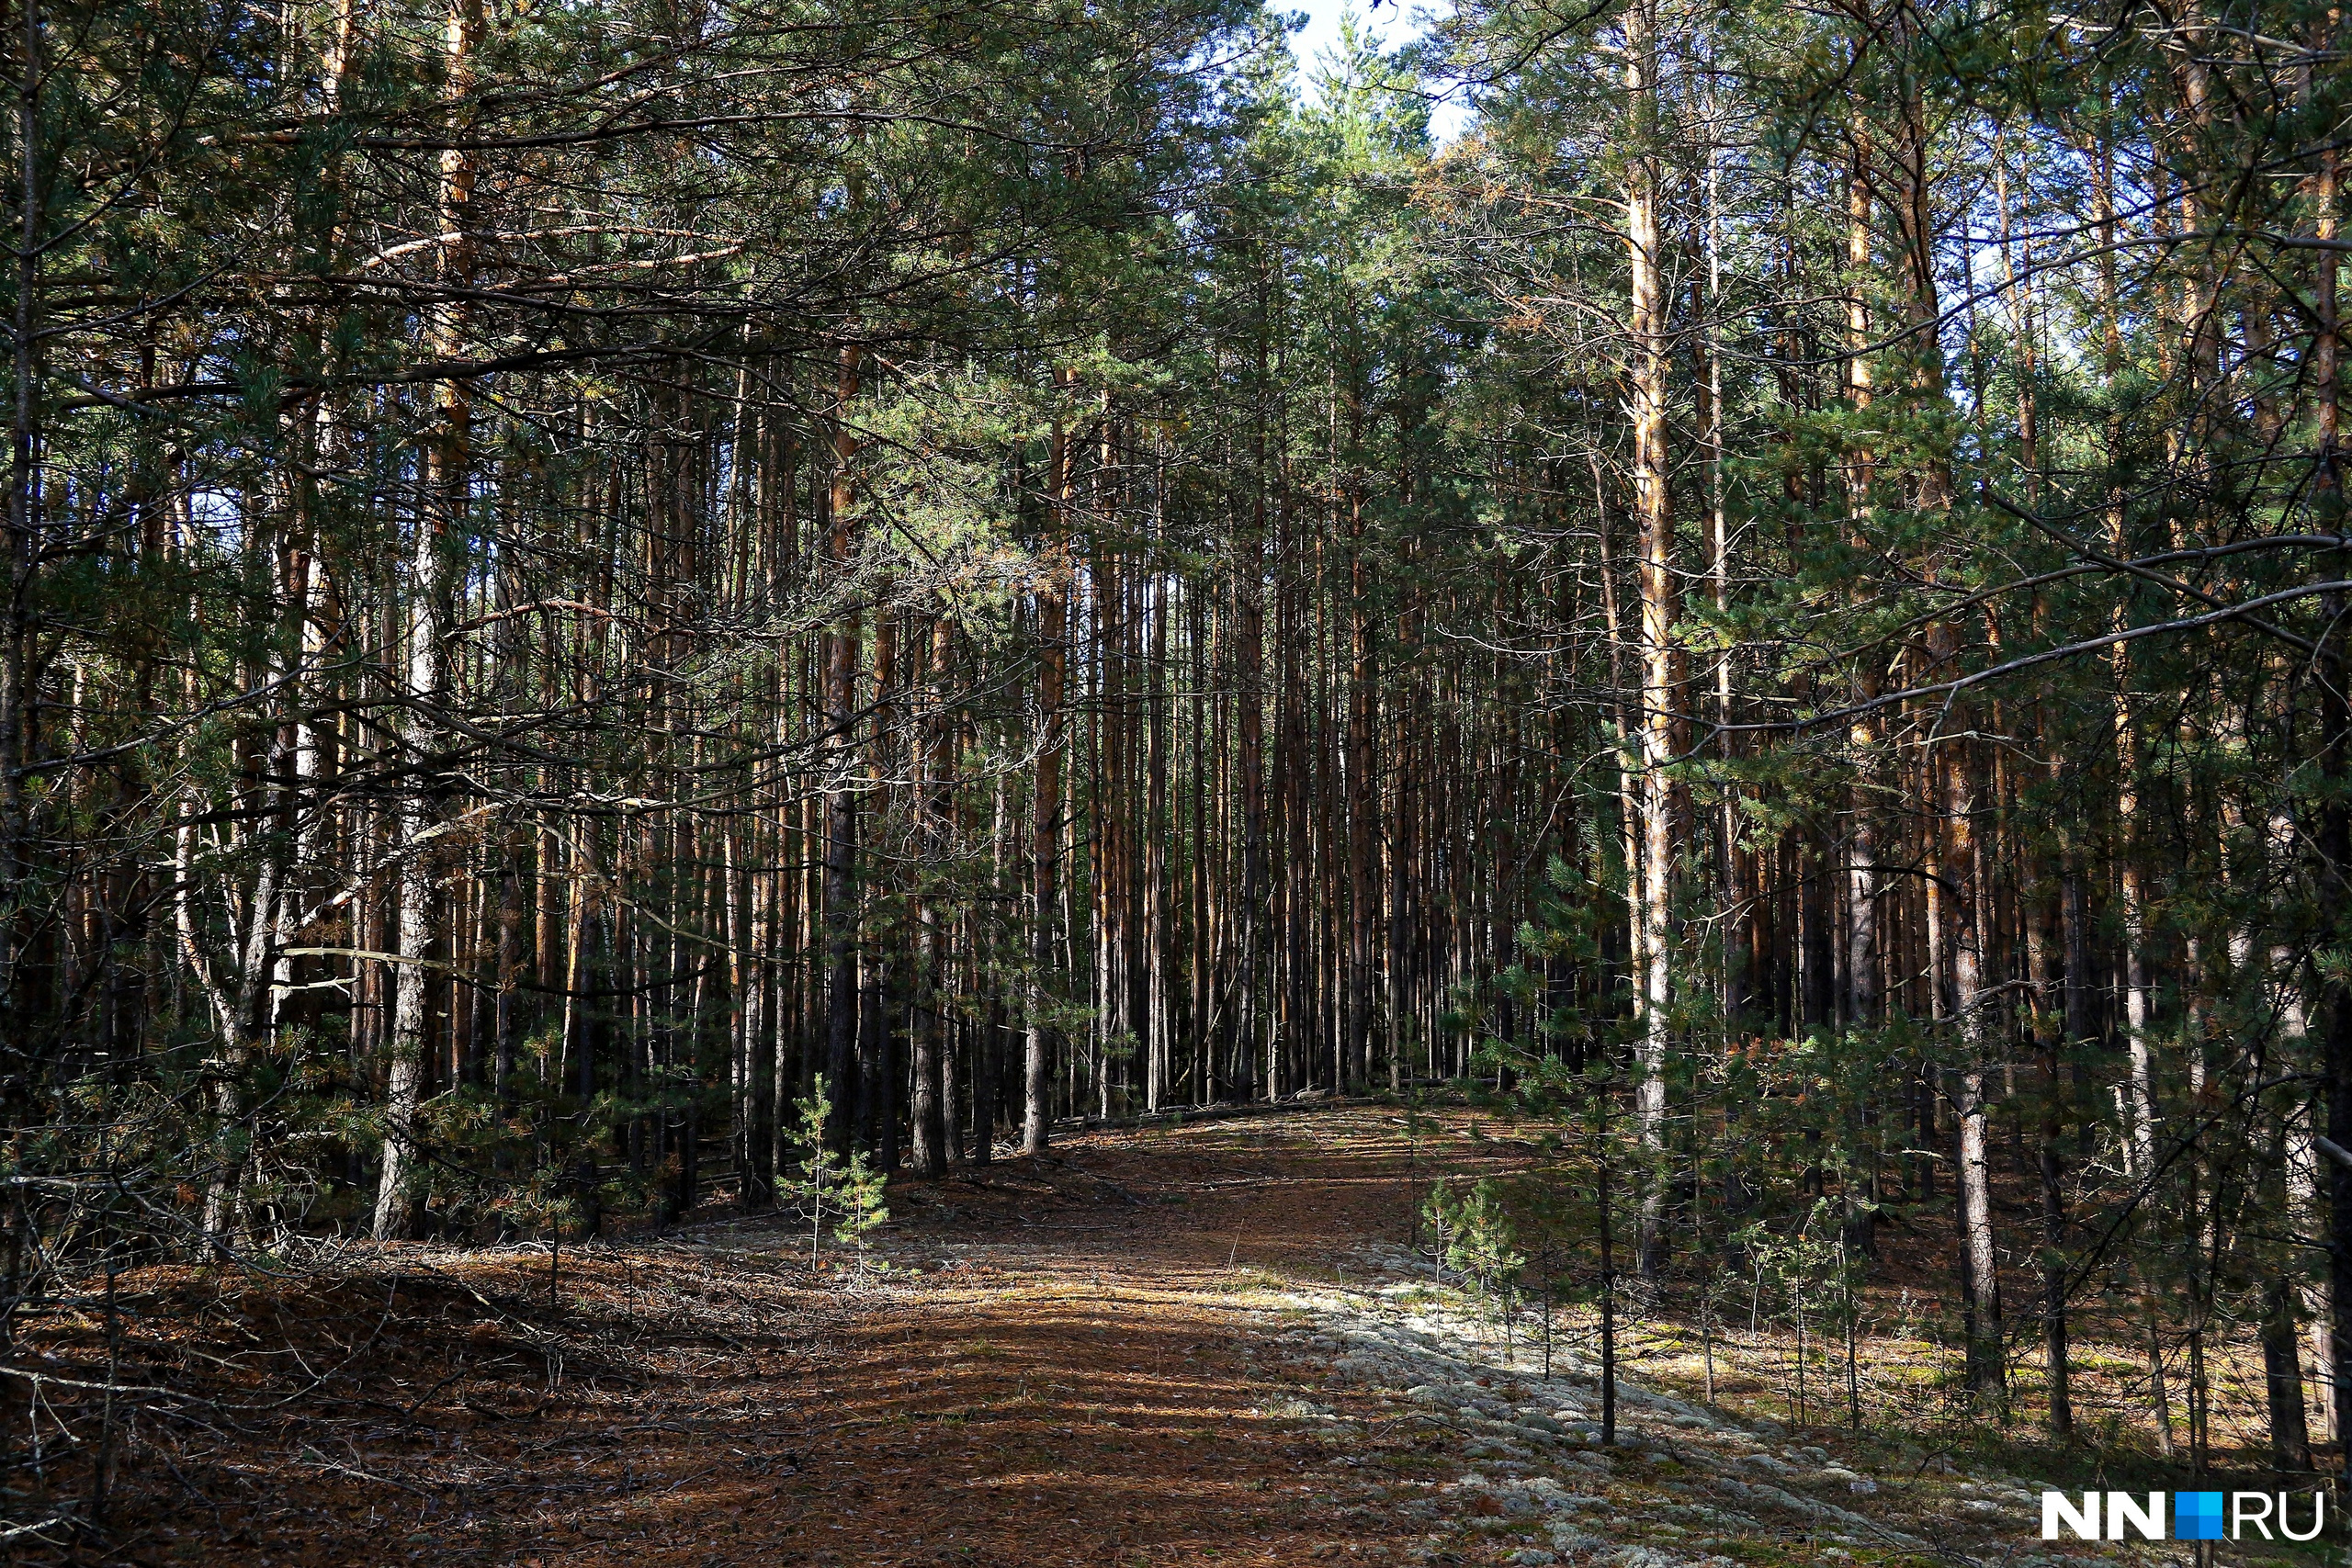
pixel 1091 1368
pixel 1185 1343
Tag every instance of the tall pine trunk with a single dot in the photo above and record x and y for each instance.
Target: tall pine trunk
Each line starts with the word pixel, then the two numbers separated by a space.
pixel 444 499
pixel 1654 572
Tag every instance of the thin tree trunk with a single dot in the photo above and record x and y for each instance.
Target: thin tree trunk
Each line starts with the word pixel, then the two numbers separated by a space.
pixel 939 720
pixel 1047 803
pixel 1654 509
pixel 2051 1164
pixel 444 501
pixel 1987 1369
pixel 842 788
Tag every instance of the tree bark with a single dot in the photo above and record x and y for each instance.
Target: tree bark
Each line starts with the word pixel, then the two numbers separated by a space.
pixel 1045 805
pixel 931 1021
pixel 444 501
pixel 1654 515
pixel 842 786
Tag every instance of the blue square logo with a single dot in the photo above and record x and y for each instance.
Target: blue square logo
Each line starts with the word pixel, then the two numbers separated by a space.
pixel 2197 1516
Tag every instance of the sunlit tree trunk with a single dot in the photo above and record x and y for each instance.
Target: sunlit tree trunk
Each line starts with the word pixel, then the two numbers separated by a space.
pixel 1046 805
pixel 444 501
pixel 843 646
pixel 1654 574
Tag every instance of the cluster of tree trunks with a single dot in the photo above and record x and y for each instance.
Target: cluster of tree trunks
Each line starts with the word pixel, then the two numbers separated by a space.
pixel 543 627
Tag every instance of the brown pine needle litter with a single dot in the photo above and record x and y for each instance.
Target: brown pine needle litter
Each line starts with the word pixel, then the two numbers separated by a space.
pixel 1114 1356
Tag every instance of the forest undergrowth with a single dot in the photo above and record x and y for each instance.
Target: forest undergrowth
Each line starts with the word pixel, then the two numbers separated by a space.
pixel 1121 1353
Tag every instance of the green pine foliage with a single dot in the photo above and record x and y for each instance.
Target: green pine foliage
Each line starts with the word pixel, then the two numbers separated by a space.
pixel 828 1186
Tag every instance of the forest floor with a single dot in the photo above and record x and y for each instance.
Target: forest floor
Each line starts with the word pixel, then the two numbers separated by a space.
pixel 1200 1343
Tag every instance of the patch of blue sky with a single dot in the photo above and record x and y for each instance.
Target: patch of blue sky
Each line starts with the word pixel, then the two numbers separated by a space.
pixel 1393 25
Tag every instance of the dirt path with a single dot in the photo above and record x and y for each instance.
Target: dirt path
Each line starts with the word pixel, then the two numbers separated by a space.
pixel 1207 1345
pixel 1085 1372
pixel 1189 1345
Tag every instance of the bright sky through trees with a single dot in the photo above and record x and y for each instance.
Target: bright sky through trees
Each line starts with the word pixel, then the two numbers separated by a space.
pixel 1391 25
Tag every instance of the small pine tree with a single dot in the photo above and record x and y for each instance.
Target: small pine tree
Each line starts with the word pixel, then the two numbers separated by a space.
pixel 1476 1238
pixel 850 1189
pixel 858 1202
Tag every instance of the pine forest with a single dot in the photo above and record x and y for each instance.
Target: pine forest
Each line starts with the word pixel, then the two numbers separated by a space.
pixel 1036 780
